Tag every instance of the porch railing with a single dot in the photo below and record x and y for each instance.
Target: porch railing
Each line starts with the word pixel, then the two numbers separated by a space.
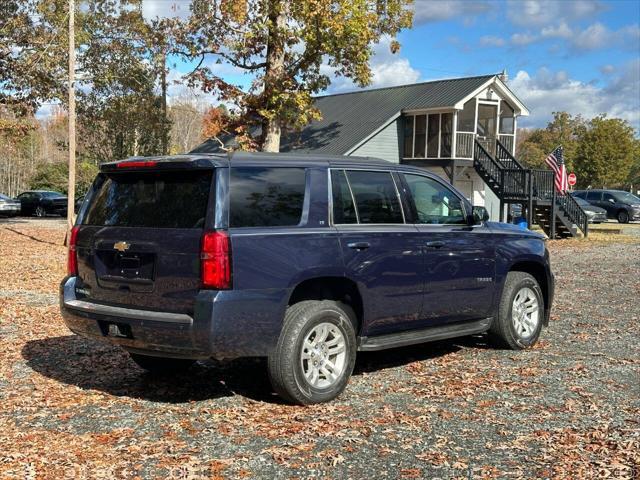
pixel 464 145
pixel 507 141
pixel 543 184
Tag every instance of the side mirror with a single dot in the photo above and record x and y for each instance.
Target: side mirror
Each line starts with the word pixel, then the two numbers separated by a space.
pixel 480 215
pixel 612 200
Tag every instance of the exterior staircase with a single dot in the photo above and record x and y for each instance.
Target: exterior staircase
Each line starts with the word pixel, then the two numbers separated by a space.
pixel 559 216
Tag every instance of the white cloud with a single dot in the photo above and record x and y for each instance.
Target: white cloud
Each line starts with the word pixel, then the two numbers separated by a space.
pixel 593 37
pixel 426 11
pixel 522 39
pixel 543 12
pixel 562 30
pixel 492 41
pixel 387 70
pixel 547 92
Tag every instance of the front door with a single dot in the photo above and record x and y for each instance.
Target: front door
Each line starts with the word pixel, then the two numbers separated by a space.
pixel 459 259
pixel 487 126
pixel 381 252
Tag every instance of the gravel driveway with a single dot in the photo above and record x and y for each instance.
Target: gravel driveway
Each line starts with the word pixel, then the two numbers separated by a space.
pixel 451 409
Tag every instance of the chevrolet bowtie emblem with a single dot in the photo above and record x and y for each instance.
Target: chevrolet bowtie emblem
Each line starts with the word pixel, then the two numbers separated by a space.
pixel 121 246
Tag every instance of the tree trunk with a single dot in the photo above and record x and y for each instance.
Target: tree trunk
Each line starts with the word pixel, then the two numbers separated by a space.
pixel 274 73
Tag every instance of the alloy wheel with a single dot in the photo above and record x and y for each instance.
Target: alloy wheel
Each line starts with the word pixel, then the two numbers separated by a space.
pixel 525 312
pixel 323 355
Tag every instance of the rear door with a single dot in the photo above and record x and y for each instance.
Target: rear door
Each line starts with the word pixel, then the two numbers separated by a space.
pixel 459 258
pixel 381 252
pixel 139 238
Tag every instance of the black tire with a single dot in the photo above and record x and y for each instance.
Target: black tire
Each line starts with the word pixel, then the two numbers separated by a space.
pixel 161 365
pixel 285 364
pixel 623 216
pixel 40 212
pixel 503 329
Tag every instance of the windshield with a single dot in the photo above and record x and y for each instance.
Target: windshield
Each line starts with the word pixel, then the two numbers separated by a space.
pixel 626 197
pixel 52 195
pixel 581 202
pixel 150 199
pixel 4 197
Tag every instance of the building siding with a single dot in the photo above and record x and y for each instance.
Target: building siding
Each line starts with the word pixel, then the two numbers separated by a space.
pixel 385 144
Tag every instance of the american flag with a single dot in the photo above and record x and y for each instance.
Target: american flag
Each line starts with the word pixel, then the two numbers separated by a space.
pixel 556 163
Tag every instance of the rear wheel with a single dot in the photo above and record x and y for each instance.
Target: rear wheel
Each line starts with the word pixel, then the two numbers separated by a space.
pixel 40 211
pixel 316 352
pixel 623 216
pixel 160 365
pixel 520 315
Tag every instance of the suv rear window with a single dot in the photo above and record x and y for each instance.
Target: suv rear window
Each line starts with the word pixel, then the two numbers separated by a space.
pixel 266 197
pixel 150 199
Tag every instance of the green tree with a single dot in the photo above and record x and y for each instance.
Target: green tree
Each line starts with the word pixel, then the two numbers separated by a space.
pixel 287 47
pixel 606 152
pixel 53 176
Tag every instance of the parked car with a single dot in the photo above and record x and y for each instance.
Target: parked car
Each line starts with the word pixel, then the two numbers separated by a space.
pixel 594 214
pixel 42 202
pixel 301 259
pixel 621 205
pixel 8 206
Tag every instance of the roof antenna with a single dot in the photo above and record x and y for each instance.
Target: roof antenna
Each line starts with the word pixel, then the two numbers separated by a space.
pixel 504 76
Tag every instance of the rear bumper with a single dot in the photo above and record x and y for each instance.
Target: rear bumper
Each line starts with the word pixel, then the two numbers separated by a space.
pixel 224 324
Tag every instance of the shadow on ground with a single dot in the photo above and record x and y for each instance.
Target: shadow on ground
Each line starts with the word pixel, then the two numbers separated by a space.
pixel 93 365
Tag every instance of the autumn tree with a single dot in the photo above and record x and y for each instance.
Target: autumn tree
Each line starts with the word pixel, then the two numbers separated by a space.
pixel 606 152
pixel 290 50
pixel 534 146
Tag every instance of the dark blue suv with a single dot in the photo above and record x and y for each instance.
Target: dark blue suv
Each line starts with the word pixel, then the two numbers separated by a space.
pixel 301 259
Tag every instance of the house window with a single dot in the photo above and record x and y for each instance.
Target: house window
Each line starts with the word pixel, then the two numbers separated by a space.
pixel 408 136
pixel 432 135
pixel 420 136
pixel 467 117
pixel 506 119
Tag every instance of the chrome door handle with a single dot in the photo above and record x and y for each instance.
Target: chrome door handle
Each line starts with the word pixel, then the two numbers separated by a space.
pixel 359 245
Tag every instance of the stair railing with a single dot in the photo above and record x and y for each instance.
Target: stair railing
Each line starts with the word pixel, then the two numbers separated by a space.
pixel 573 211
pixel 487 164
pixel 506 158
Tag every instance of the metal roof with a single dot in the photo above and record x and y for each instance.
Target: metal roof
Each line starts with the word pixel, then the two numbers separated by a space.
pixel 349 118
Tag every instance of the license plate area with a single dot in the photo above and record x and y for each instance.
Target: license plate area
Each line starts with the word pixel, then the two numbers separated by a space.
pixel 134 271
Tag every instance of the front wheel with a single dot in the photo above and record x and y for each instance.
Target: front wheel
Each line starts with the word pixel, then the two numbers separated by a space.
pixel 519 321
pixel 40 211
pixel 161 365
pixel 316 352
pixel 623 217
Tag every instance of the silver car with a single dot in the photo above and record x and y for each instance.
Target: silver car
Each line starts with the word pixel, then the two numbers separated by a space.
pixel 8 206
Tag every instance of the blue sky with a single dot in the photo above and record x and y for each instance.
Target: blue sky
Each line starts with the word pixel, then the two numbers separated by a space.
pixel 582 56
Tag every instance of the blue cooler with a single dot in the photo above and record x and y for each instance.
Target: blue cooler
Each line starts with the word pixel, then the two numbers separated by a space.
pixel 521 222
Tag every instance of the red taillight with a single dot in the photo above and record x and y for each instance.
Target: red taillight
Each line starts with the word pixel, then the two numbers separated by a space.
pixel 141 164
pixel 216 260
pixel 72 257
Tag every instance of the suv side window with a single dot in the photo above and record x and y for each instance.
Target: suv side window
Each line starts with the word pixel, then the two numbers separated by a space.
pixel 344 211
pixel 266 196
pixel 594 196
pixel 607 197
pixel 435 203
pixel 376 197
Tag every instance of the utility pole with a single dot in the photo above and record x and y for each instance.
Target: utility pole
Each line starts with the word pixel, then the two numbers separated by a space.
pixel 163 82
pixel 72 118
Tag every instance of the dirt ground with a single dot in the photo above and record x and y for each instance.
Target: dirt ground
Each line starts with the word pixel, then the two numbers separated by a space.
pixel 570 408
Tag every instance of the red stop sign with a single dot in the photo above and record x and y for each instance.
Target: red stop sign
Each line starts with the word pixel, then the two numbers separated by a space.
pixel 571 179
